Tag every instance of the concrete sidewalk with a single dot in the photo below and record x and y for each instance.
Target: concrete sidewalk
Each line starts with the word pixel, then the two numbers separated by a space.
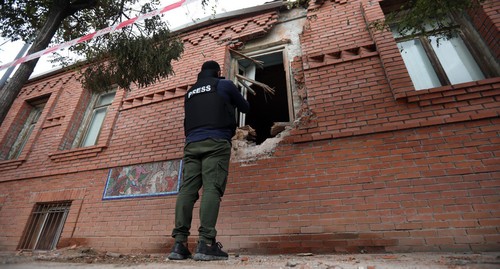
pixel 489 260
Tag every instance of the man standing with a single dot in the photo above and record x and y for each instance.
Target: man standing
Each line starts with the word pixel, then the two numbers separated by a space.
pixel 209 125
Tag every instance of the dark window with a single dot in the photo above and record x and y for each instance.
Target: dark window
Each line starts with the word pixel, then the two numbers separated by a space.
pixel 36 109
pixel 45 226
pixel 266 109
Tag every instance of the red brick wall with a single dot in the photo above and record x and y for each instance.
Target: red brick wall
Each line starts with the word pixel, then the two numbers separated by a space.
pixel 352 83
pixel 425 189
pixel 487 21
pixel 368 166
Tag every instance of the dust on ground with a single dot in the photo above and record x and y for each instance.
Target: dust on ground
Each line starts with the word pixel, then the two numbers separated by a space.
pixel 84 257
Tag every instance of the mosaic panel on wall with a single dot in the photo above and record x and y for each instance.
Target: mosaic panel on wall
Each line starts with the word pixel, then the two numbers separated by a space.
pixel 149 179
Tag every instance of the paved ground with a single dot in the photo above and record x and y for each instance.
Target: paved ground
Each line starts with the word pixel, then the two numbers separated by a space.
pixel 85 258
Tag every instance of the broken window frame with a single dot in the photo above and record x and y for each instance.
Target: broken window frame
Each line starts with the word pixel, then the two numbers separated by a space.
pixel 244 81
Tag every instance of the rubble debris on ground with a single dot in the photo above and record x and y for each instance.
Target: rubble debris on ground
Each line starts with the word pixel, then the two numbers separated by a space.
pixel 85 255
pixel 78 254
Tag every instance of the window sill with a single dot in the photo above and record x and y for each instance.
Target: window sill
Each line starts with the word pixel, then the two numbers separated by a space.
pixel 11 164
pixel 454 93
pixel 76 154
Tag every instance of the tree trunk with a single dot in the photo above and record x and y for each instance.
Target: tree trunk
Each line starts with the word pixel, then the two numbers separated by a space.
pixel 11 90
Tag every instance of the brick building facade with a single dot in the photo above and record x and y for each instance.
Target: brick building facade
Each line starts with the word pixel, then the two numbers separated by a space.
pixel 364 159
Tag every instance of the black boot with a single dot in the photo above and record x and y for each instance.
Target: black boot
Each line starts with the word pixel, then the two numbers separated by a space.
pixel 213 252
pixel 179 252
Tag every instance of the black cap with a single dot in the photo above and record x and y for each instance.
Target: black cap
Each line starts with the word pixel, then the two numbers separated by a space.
pixel 210 65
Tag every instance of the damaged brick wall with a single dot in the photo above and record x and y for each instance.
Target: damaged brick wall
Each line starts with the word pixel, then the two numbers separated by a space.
pixel 366 167
pixel 423 189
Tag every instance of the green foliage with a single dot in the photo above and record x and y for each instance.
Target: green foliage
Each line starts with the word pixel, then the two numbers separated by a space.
pixel 421 17
pixel 139 54
pixel 137 59
pixel 18 19
pixel 23 19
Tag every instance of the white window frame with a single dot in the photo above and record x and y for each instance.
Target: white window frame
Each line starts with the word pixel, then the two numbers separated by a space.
pixel 250 72
pixel 464 57
pixel 90 129
pixel 433 62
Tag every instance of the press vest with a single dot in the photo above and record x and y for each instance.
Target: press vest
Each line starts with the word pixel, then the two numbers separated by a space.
pixel 204 108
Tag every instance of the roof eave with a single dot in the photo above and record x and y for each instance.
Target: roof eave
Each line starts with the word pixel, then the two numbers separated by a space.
pixel 226 16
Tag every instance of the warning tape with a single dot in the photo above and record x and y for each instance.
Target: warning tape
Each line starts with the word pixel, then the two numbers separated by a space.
pixel 92 35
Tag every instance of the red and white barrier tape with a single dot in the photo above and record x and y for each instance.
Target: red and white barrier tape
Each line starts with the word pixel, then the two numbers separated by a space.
pixel 92 35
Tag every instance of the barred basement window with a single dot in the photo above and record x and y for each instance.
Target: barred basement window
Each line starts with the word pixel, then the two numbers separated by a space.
pixel 45 226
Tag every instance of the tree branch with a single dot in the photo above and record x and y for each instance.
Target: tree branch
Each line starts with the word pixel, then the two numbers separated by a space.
pixel 81 5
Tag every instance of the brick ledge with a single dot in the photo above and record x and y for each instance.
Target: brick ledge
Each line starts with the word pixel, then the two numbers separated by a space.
pixel 154 97
pixel 342 55
pixel 11 164
pixel 75 154
pixel 298 136
pixel 453 93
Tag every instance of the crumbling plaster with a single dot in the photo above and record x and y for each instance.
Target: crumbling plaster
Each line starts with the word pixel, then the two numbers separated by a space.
pixel 286 33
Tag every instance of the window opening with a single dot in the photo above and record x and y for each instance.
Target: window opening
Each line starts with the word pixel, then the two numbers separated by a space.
pixel 45 226
pixel 433 61
pixel 94 119
pixel 268 106
pixel 36 109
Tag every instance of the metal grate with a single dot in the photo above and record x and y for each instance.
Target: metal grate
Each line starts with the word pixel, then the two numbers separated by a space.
pixel 45 226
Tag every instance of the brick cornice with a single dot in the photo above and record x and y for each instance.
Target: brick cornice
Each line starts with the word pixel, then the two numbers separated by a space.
pixel 240 29
pixel 47 85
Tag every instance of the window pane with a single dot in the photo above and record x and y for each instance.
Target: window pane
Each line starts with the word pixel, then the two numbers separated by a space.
pixel 106 99
pixel 25 137
pixel 25 133
pixel 94 127
pixel 456 60
pixel 418 64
